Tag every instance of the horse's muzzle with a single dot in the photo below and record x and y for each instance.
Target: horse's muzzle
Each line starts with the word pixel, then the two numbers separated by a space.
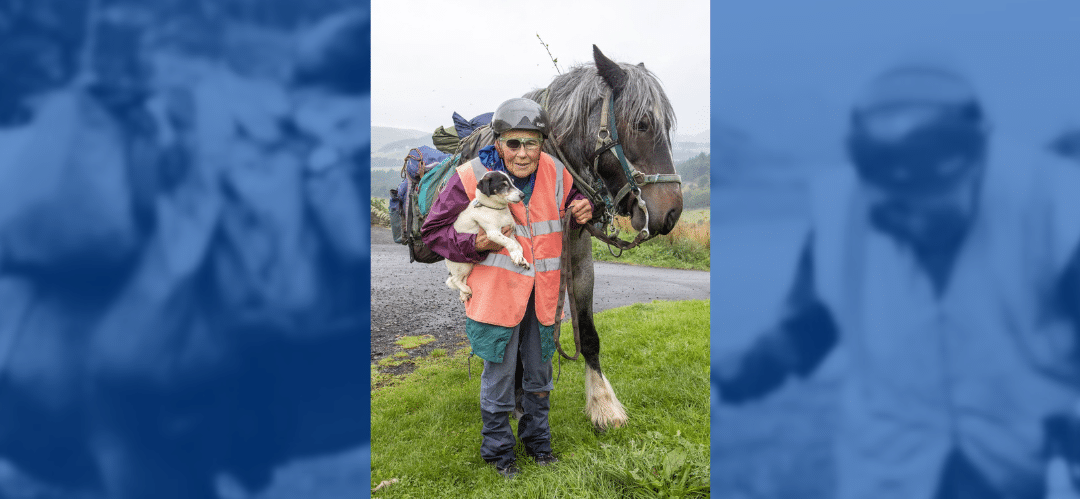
pixel 664 204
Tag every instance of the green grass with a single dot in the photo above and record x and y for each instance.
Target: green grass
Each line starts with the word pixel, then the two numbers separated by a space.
pixel 425 428
pixel 380 211
pixel 414 341
pixel 397 359
pixel 686 247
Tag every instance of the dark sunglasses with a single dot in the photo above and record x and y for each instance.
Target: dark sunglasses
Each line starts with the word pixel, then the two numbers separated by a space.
pixel 514 144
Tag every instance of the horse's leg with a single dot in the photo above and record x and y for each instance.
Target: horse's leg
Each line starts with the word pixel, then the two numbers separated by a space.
pixel 603 407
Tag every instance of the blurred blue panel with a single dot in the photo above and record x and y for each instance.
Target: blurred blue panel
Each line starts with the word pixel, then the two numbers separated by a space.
pixel 184 247
pixel 897 250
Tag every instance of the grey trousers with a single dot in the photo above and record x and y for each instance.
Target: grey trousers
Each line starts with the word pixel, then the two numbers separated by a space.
pixel 497 381
pixel 497 396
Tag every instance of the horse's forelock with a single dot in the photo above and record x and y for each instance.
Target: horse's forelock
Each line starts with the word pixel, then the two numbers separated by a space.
pixel 574 98
pixel 643 98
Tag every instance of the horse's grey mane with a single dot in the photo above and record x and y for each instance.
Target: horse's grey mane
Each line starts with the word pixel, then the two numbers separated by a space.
pixel 574 98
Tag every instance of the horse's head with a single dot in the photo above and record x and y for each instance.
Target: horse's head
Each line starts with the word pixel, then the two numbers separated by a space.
pixel 643 122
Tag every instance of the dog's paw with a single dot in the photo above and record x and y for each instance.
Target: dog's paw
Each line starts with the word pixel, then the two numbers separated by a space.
pixel 520 261
pixel 464 297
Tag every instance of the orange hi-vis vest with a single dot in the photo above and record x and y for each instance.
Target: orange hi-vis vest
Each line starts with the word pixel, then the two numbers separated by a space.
pixel 501 289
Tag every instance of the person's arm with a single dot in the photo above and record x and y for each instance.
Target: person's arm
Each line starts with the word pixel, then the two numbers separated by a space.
pixel 438 230
pixel 803 338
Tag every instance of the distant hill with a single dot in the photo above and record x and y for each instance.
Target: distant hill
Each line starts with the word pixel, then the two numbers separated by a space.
pixel 682 151
pixel 684 147
pixel 398 146
pixel 382 135
pixel 390 145
pixel 697 137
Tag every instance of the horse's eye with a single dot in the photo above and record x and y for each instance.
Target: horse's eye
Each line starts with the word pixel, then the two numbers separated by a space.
pixel 642 126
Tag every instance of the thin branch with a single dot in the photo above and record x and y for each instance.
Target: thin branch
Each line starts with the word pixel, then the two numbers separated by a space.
pixel 553 59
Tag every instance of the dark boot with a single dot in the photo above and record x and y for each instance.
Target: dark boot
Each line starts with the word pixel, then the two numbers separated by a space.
pixel 498 444
pixel 533 428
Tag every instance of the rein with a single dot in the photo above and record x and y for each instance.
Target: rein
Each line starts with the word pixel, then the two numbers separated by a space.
pixel 566 281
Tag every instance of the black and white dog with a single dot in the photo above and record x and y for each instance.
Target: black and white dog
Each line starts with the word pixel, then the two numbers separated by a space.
pixel 494 193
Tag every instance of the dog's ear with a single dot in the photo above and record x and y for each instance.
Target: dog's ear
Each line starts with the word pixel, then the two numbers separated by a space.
pixel 487 184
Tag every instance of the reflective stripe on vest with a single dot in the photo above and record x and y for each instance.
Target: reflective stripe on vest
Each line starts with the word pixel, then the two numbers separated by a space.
pixel 548 264
pixel 501 289
pixel 504 262
pixel 539 228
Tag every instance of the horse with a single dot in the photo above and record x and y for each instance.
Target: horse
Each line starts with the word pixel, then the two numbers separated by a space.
pixel 610 124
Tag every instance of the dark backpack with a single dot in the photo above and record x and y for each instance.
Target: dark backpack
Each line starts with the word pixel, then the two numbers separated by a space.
pixel 425 183
pixel 465 127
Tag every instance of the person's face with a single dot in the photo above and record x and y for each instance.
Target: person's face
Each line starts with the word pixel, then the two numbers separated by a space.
pixel 521 162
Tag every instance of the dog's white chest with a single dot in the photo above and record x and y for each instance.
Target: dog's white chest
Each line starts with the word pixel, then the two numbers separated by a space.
pixel 474 217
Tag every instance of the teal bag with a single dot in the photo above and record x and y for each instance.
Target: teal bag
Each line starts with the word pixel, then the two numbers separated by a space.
pixel 422 195
pixel 434 181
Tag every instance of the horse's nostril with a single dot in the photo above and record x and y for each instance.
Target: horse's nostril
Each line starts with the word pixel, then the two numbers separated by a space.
pixel 669 221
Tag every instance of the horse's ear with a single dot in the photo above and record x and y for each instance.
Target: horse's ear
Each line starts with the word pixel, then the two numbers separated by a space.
pixel 609 70
pixel 641 65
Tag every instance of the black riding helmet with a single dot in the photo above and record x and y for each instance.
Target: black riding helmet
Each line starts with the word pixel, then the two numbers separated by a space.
pixel 519 114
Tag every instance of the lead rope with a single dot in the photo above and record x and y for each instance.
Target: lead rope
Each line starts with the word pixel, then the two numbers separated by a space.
pixel 566 287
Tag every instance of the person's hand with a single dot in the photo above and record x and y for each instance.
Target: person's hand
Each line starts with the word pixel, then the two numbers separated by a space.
pixel 485 244
pixel 581 209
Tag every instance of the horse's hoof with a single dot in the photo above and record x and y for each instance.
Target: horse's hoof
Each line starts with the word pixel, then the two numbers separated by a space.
pixel 604 425
pixel 604 409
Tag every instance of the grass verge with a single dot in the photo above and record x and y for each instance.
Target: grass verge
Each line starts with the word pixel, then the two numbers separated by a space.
pixel 425 429
pixel 686 247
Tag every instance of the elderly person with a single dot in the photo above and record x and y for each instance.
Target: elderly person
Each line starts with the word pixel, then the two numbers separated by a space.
pixel 944 271
pixel 511 315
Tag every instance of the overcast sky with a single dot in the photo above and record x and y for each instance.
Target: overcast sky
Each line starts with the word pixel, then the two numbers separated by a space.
pixel 787 71
pixel 433 57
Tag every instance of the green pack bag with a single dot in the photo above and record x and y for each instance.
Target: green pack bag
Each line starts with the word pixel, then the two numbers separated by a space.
pixel 446 141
